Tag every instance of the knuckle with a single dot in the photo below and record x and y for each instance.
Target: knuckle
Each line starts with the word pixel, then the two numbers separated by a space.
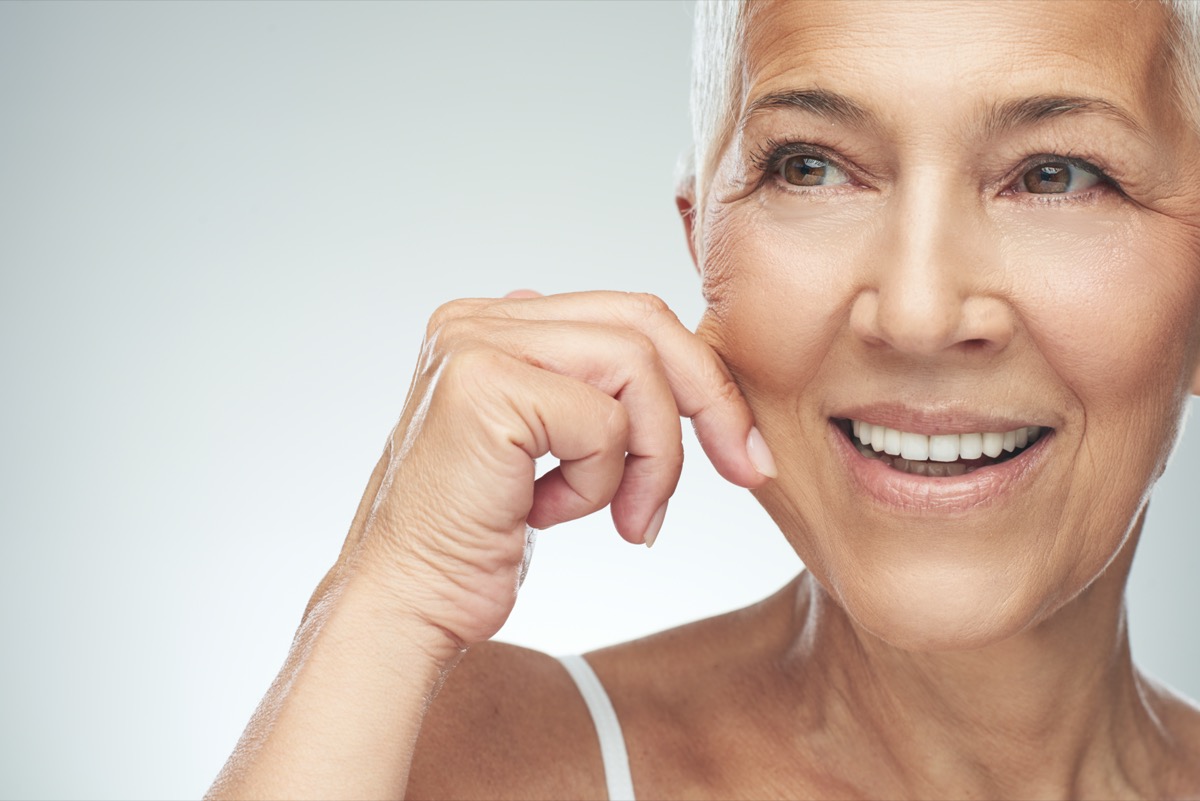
pixel 454 331
pixel 675 457
pixel 450 311
pixel 446 341
pixel 640 347
pixel 650 305
pixel 469 365
pixel 617 422
pixel 728 393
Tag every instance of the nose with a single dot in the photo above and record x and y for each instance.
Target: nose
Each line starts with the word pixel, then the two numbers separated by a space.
pixel 936 282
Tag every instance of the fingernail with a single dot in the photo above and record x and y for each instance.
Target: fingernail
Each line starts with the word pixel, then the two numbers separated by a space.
pixel 656 522
pixel 523 294
pixel 760 454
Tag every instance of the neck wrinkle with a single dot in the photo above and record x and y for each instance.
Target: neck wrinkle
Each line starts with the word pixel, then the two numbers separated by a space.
pixel 1055 711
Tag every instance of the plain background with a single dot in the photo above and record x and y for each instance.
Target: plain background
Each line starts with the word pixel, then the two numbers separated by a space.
pixel 222 227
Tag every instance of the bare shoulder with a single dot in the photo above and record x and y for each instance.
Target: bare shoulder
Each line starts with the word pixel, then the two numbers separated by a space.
pixel 1179 719
pixel 689 700
pixel 508 723
pixel 511 723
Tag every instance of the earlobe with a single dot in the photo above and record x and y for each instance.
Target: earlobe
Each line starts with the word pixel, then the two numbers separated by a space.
pixel 687 211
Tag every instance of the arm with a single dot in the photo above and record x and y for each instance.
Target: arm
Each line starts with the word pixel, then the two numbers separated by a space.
pixel 433 558
pixel 342 717
pixel 346 707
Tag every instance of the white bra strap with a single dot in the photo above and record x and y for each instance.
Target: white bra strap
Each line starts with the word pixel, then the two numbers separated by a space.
pixel 612 743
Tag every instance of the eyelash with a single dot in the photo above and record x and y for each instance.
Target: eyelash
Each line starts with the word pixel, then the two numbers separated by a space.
pixel 1104 180
pixel 769 158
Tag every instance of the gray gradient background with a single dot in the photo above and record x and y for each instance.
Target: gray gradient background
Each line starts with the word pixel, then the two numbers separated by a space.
pixel 222 228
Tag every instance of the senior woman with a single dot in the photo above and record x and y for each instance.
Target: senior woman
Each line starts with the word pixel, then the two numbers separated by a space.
pixel 951 258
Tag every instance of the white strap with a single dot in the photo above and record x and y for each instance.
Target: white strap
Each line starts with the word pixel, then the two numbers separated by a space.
pixel 612 743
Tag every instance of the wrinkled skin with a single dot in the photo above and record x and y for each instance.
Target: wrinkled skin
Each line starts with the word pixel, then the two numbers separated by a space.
pixel 923 275
pixel 880 243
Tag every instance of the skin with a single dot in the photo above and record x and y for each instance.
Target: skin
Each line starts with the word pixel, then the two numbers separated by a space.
pixel 931 649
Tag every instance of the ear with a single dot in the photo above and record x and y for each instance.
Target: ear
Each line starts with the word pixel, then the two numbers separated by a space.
pixel 684 202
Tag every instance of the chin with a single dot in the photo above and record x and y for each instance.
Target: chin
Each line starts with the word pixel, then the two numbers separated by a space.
pixel 936 613
pixel 937 580
pixel 937 602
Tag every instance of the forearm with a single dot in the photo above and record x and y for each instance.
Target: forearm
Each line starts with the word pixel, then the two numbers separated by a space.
pixel 342 717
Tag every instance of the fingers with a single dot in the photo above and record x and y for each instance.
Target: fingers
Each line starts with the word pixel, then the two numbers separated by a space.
pixel 701 385
pixel 586 429
pixel 633 349
pixel 622 364
pixel 625 367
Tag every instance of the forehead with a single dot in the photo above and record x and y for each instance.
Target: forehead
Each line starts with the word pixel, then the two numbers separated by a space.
pixel 905 55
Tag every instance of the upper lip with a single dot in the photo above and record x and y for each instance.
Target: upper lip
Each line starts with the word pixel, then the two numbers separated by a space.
pixel 942 419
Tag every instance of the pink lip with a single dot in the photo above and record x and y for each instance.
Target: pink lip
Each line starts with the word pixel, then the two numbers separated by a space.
pixel 941 421
pixel 904 492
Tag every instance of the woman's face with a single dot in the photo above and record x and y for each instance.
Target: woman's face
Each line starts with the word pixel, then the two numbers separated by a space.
pixel 958 219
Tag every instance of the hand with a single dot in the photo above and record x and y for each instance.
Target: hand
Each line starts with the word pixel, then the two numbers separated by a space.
pixel 596 379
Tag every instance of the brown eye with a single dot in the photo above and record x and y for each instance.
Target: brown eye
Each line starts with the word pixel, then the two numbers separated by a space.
pixel 1058 177
pixel 811 171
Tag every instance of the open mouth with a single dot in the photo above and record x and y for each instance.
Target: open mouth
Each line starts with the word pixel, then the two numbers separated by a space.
pixel 939 455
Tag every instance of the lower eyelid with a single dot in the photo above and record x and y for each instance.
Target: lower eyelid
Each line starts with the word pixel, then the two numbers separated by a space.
pixel 1090 195
pixel 813 193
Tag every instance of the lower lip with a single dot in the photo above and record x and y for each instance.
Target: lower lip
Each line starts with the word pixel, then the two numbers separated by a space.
pixel 905 492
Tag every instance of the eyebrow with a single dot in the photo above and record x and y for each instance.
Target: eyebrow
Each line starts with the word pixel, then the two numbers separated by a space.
pixel 829 105
pixel 1028 111
pixel 1000 118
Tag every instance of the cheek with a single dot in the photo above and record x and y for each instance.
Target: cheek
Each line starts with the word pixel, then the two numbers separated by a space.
pixel 1113 308
pixel 779 291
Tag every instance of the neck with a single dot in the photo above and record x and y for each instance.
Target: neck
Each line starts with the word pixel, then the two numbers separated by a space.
pixel 1055 711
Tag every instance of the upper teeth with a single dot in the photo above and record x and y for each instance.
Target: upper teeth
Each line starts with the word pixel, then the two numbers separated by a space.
pixel 941 447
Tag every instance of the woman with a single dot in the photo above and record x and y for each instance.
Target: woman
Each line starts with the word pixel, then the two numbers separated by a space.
pixel 951 254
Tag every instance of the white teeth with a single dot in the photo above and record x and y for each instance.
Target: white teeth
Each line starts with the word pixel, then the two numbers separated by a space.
pixel 914 447
pixel 877 438
pixel 943 448
pixel 970 446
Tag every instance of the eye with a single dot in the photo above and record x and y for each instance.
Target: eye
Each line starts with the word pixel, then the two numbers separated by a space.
pixel 1059 177
pixel 809 170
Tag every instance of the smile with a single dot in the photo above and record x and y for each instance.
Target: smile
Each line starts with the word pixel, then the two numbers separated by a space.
pixel 938 455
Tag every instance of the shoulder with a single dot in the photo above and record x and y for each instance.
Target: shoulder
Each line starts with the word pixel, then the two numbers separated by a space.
pixel 508 723
pixel 511 723
pixel 691 699
pixel 1178 719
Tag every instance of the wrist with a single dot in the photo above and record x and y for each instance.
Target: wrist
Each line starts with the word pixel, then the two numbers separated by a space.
pixel 374 614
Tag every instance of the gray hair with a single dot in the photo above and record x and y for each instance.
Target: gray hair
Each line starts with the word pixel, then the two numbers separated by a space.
pixel 718 81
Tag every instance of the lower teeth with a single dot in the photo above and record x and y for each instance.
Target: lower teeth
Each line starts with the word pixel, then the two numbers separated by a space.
pixel 932 469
